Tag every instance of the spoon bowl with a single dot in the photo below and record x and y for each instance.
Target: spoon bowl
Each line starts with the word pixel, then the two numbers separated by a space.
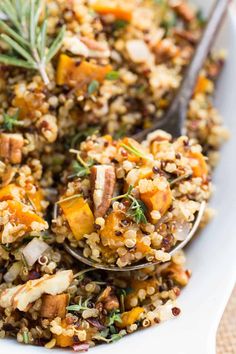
pixel 78 254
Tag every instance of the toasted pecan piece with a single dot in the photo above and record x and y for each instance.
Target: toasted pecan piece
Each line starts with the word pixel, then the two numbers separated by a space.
pixel 183 10
pixel 103 180
pixel 11 147
pixel 188 36
pixel 108 299
pixel 54 306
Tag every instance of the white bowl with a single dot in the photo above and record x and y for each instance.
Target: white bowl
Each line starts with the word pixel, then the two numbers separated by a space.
pixel 211 256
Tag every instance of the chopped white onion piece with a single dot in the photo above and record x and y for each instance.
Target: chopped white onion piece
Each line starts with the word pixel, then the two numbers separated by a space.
pixel 34 250
pixel 138 50
pixel 12 272
pixel 181 230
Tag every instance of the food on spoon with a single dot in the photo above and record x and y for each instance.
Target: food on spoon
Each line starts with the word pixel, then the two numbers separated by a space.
pixel 137 198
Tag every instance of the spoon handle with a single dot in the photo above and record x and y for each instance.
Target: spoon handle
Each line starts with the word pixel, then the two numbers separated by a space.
pixel 174 120
pixel 214 23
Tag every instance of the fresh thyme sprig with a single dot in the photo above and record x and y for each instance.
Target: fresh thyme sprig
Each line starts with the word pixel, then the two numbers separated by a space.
pixel 9 122
pixel 114 317
pixel 137 208
pixel 81 306
pixel 80 167
pixel 26 35
pixel 133 150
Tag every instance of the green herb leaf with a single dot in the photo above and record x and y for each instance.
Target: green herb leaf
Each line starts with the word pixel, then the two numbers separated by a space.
pixel 137 211
pixel 133 150
pixel 93 87
pixel 120 24
pixel 137 208
pixel 82 135
pixel 25 335
pixel 80 170
pixel 81 306
pixel 9 122
pixel 118 336
pixel 114 317
pixel 26 36
pixel 112 75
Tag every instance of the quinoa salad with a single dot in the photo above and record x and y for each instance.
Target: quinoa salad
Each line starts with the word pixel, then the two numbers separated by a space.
pixel 78 79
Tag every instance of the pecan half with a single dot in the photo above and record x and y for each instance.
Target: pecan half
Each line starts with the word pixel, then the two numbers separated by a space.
pixel 190 37
pixel 108 299
pixel 54 306
pixel 11 147
pixel 103 180
pixel 183 10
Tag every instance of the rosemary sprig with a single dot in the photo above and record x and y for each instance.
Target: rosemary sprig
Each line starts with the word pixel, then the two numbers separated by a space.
pixel 9 122
pixel 137 208
pixel 26 35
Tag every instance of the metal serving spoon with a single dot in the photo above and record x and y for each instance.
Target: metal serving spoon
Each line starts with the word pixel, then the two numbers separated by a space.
pixel 174 123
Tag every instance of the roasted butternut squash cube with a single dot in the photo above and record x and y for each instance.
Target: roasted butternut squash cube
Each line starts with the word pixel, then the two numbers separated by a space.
pixel 130 317
pixel 203 85
pixel 79 76
pixel 198 164
pixel 157 199
pixel 121 10
pixel 108 233
pixel 21 215
pixel 63 340
pixel 79 216
pixel 11 192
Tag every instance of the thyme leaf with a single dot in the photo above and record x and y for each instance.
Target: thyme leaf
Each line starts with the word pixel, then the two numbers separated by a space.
pixel 137 208
pixel 81 170
pixel 133 150
pixel 93 87
pixel 81 306
pixel 114 317
pixel 112 75
pixel 9 122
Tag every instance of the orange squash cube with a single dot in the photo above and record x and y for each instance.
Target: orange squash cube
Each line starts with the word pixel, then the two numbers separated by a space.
pixel 79 216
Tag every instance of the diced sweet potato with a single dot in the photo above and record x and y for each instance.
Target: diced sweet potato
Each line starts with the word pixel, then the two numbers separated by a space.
pixel 133 145
pixel 79 76
pixel 109 232
pixel 198 164
pixel 54 306
pixel 11 191
pixel 20 215
pixel 121 10
pixel 145 172
pixel 158 200
pixel 203 85
pixel 130 317
pixel 141 247
pixel 79 216
pixel 63 340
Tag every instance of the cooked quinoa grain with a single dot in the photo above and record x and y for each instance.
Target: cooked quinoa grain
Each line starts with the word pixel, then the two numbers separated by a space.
pixel 70 172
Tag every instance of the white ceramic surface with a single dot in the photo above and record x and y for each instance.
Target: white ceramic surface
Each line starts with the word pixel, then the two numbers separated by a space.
pixel 211 256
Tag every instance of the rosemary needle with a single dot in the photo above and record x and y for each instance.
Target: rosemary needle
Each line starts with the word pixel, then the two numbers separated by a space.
pixel 26 35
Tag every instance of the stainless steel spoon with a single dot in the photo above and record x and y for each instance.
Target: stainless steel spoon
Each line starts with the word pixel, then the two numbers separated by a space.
pixel 174 123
